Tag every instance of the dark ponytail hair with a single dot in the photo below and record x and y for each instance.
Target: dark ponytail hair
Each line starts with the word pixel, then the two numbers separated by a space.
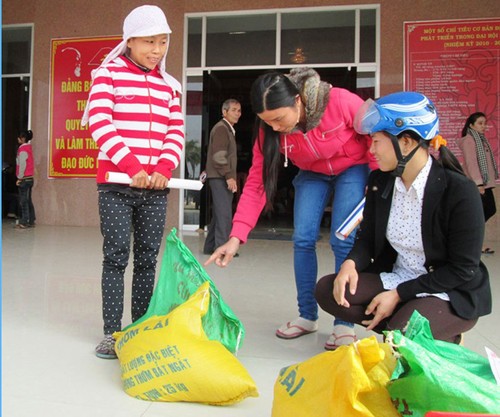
pixel 27 135
pixel 471 120
pixel 447 158
pixel 271 91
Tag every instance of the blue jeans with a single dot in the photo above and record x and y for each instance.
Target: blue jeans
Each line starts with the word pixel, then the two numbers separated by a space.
pixel 27 209
pixel 136 214
pixel 312 194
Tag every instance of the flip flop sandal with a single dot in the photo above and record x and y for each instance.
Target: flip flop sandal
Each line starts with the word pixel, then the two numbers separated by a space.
pixel 488 251
pixel 349 338
pixel 292 332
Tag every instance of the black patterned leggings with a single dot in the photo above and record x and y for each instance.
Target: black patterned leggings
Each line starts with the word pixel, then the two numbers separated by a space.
pixel 140 213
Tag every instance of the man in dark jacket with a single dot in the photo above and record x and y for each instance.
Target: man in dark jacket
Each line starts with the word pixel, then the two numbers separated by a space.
pixel 221 175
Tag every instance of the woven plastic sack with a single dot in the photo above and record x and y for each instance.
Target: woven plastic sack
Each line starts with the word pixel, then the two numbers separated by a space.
pixel 180 276
pixel 170 358
pixel 445 414
pixel 347 382
pixel 433 375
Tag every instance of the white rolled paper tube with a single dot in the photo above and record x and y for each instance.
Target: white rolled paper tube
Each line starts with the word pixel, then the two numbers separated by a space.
pixel 122 178
pixel 351 222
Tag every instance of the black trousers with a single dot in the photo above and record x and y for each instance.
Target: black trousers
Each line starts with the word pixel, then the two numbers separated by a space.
pixel 445 324
pixel 489 205
pixel 222 215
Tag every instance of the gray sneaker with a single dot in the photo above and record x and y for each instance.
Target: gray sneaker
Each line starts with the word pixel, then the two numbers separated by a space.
pixel 106 349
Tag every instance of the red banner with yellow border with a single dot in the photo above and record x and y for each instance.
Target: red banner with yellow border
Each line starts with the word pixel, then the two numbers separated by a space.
pixel 72 151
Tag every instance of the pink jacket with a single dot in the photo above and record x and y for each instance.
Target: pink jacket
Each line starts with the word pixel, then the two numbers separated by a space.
pixel 470 165
pixel 25 165
pixel 329 148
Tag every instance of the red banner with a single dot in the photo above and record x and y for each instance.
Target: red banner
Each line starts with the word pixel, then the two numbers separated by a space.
pixel 72 151
pixel 456 63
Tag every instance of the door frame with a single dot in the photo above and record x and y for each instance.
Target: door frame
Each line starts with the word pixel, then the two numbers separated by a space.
pixel 219 85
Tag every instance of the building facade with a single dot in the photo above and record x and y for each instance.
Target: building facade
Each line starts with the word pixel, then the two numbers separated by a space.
pixel 366 36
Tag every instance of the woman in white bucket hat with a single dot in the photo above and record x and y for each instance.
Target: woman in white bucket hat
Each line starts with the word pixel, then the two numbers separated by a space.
pixel 134 115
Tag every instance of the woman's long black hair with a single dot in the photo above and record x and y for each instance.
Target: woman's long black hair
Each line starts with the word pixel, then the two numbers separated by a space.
pixel 271 91
pixel 471 120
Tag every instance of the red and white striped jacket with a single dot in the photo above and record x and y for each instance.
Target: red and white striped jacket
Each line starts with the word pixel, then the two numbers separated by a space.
pixel 136 120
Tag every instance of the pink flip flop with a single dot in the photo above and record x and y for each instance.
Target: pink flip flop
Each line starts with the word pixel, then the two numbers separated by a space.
pixel 292 331
pixel 349 338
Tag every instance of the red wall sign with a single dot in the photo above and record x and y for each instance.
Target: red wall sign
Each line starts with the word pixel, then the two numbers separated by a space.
pixel 72 151
pixel 456 63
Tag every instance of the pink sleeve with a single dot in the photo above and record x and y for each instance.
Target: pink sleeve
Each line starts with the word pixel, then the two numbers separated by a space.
pixel 252 200
pixel 471 167
pixel 351 103
pixel 174 140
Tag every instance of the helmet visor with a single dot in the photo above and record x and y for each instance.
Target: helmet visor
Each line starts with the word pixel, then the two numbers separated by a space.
pixel 367 117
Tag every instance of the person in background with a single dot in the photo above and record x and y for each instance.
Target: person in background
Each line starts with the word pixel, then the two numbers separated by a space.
pixel 311 123
pixel 25 170
pixel 135 117
pixel 10 192
pixel 419 244
pixel 479 163
pixel 221 175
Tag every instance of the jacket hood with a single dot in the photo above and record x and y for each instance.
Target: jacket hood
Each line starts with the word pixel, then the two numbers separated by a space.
pixel 314 93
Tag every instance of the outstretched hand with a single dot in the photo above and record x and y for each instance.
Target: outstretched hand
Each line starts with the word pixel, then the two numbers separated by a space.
pixel 224 254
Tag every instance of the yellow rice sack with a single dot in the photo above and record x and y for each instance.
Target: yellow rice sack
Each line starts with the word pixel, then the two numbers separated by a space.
pixel 170 358
pixel 348 382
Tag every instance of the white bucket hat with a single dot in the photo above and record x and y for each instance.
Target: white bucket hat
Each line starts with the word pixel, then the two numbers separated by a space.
pixel 145 21
pixel 142 21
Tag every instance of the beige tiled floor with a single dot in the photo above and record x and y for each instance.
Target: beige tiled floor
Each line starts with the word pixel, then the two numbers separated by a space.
pixel 52 322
